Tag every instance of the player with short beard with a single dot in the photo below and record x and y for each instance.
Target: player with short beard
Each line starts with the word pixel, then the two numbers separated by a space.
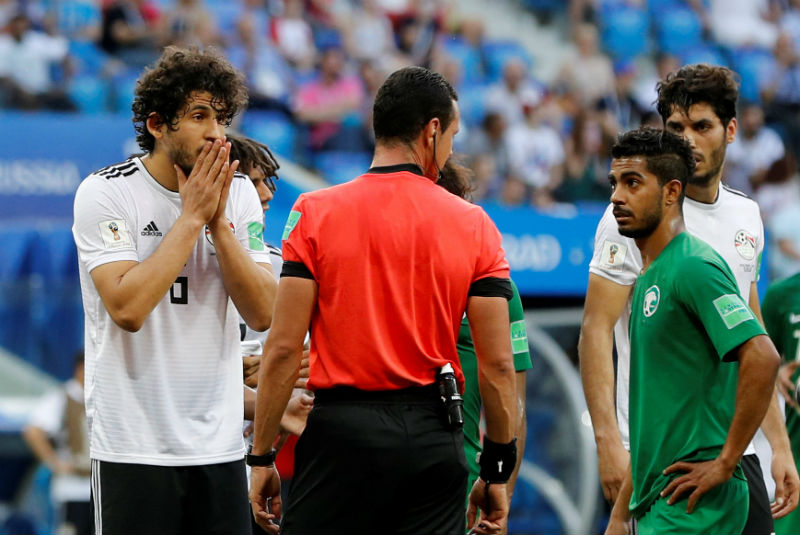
pixel 697 102
pixel 692 412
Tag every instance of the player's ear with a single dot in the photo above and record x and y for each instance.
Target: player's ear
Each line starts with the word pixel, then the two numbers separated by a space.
pixel 672 192
pixel 155 125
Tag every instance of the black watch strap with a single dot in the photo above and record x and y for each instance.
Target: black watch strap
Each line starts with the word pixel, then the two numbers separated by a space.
pixel 268 459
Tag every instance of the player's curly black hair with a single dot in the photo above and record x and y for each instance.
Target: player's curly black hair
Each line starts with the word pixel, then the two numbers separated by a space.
pixel 164 88
pixel 254 155
pixel 701 83
pixel 667 155
pixel 407 100
pixel 456 178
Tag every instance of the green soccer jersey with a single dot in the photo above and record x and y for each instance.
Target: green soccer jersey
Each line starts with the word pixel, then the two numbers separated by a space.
pixel 686 317
pixel 469 365
pixel 781 309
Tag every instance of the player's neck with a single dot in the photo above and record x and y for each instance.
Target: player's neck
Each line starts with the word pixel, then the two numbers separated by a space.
pixel 160 167
pixel 705 193
pixel 652 245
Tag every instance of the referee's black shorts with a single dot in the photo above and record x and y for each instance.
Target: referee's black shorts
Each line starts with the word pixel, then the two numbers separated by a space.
pixel 377 462
pixel 139 498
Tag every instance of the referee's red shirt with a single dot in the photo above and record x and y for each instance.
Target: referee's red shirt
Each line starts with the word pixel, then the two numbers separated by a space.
pixel 394 256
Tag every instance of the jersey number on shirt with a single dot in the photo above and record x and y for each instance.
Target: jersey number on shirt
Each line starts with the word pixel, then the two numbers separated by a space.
pixel 179 291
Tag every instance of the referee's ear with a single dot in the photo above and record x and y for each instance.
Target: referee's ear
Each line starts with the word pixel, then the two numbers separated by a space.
pixel 155 125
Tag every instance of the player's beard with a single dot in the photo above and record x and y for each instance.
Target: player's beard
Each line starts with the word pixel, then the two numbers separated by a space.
pixel 649 222
pixel 183 159
pixel 716 160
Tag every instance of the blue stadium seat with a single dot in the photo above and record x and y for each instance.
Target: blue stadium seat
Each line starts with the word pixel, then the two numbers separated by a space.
pixel 753 66
pixel 89 93
pixel 74 17
pixel 87 58
pixel 225 14
pixel 625 33
pixel 339 167
pixel 498 53
pixel 472 104
pixel 273 129
pixel 472 67
pixel 658 8
pixel 124 85
pixel 704 54
pixel 678 30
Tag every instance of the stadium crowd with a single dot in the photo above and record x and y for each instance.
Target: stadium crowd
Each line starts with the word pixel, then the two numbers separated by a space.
pixel 313 68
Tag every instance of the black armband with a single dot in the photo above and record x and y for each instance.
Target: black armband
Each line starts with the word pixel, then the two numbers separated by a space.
pixel 296 269
pixel 492 287
pixel 497 460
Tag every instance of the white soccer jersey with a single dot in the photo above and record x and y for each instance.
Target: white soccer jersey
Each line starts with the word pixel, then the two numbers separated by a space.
pixel 171 393
pixel 731 225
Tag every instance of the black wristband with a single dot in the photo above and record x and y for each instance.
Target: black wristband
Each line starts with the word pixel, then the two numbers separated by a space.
pixel 268 459
pixel 497 460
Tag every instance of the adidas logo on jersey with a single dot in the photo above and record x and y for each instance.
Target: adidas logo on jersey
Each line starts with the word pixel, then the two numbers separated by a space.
pixel 151 230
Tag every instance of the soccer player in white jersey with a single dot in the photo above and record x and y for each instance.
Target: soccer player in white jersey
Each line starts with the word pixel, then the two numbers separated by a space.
pixel 171 253
pixel 699 103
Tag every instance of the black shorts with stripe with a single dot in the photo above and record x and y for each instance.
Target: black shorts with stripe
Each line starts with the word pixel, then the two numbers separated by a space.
pixel 139 498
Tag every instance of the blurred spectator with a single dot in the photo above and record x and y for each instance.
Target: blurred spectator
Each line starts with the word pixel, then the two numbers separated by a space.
pixel 588 73
pixel 780 188
pixel 27 57
pixel 782 93
pixel 738 23
pixel 784 229
pixel 505 97
pixel 485 177
pixel 625 106
pixel 293 35
pixel 587 151
pixel 645 89
pixel 189 23
pixel 490 140
pixel 372 77
pixel 58 437
pixel 754 150
pixel 536 152
pixel 130 31
pixel 330 106
pixel 790 21
pixel 269 76
pixel 417 30
pixel 368 33
pixel 514 192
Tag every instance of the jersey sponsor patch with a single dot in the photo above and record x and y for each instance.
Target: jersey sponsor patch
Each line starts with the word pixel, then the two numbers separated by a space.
pixel 115 233
pixel 651 299
pixel 745 244
pixel 732 310
pixel 291 222
pixel 255 232
pixel 519 337
pixel 613 255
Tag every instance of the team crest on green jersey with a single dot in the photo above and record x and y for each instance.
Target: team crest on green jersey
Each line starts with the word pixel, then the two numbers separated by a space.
pixel 651 298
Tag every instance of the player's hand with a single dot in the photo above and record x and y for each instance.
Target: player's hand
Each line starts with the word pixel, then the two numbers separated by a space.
pixel 265 497
pixel 200 191
pixel 493 507
pixel 302 378
pixel 617 526
pixel 785 384
pixel 296 414
pixel 787 484
pixel 251 364
pixel 698 479
pixel 219 216
pixel 612 463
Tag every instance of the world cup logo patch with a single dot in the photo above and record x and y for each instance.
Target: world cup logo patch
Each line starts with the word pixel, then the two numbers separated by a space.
pixel 114 228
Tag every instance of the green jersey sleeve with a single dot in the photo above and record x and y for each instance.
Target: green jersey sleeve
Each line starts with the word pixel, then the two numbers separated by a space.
pixel 519 334
pixel 708 290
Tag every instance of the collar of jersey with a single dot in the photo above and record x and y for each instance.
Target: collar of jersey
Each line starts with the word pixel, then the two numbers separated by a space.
pixel 708 207
pixel 155 184
pixel 386 169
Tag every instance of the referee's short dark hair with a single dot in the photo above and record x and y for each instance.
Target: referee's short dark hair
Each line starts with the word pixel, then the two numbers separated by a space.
pixel 164 88
pixel 667 155
pixel 408 100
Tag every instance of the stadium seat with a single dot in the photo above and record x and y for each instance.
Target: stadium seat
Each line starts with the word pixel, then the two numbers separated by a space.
pixel 87 58
pixel 472 67
pixel 124 85
pixel 225 14
pixel 74 17
pixel 678 30
pixel 703 54
pixel 89 93
pixel 498 53
pixel 753 66
pixel 472 104
pixel 273 129
pixel 625 32
pixel 338 167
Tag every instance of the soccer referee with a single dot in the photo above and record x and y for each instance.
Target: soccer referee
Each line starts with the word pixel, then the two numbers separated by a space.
pixel 382 269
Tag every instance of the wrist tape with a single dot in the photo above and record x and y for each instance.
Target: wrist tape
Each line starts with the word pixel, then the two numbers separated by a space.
pixel 497 460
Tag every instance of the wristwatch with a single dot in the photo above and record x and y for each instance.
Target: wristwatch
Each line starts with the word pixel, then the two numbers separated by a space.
pixel 268 459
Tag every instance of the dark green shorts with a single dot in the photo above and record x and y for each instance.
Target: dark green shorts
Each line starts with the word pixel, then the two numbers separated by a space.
pixel 721 511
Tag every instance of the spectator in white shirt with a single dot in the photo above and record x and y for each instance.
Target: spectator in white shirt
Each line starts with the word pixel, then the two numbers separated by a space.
pixel 753 151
